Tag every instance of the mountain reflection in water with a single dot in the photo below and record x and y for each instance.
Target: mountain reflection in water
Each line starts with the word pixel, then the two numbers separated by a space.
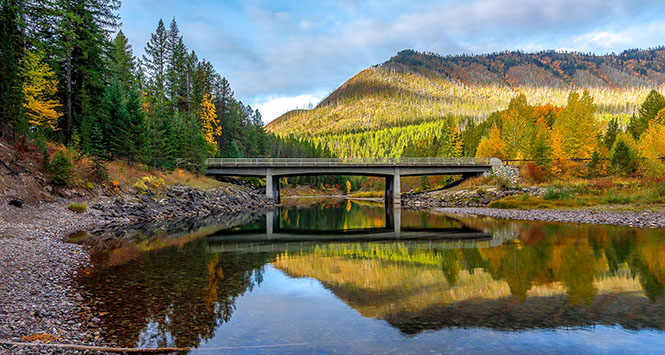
pixel 416 271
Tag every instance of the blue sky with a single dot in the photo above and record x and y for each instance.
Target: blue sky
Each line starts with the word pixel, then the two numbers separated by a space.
pixel 280 55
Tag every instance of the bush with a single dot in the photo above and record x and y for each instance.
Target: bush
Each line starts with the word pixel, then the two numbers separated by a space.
pixel 78 207
pixel 62 168
pixel 556 193
pixel 98 170
pixel 148 184
pixel 534 173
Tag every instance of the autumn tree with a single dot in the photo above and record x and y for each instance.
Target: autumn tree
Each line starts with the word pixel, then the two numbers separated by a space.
pixel 493 147
pixel 209 123
pixel 39 89
pixel 578 127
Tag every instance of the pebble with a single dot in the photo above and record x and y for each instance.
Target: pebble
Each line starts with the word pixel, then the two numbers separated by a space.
pixel 38 293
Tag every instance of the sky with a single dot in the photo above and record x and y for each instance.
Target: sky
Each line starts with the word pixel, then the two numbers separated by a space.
pixel 282 55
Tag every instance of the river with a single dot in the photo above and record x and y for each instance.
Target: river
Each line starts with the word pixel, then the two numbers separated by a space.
pixel 343 276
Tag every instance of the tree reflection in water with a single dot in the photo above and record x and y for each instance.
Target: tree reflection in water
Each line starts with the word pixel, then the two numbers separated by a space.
pixel 543 275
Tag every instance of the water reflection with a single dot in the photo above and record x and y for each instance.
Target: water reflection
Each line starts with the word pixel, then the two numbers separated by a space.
pixel 423 272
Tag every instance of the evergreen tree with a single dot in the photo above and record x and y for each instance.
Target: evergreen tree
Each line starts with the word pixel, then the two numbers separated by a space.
pixel 81 43
pixel 155 62
pixel 654 102
pixel 116 123
pixel 611 133
pixel 175 74
pixel 11 51
pixel 122 62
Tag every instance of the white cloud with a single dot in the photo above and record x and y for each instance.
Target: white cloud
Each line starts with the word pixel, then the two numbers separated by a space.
pixel 273 107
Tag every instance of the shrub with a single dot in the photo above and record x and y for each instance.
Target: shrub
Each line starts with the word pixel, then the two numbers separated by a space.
pixel 534 173
pixel 62 168
pixel 556 193
pixel 148 184
pixel 98 170
pixel 78 207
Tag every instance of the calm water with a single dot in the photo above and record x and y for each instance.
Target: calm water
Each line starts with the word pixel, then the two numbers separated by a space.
pixel 349 277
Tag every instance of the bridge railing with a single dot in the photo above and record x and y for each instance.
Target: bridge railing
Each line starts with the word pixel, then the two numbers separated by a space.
pixel 345 161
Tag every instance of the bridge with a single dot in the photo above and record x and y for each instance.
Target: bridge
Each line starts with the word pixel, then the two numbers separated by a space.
pixel 272 169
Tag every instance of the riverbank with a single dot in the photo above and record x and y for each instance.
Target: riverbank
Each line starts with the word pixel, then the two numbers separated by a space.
pixel 591 216
pixel 39 300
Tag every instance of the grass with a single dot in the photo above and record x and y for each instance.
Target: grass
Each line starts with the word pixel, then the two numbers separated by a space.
pixel 368 194
pixel 127 175
pixel 78 207
pixel 623 192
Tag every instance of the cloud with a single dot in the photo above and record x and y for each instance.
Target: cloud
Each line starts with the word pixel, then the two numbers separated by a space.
pixel 273 107
pixel 283 50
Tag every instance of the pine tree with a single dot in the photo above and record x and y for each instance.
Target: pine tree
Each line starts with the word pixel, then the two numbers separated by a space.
pixel 116 122
pixel 654 102
pixel 175 74
pixel 156 62
pixel 611 133
pixel 11 50
pixel 122 62
pixel 81 45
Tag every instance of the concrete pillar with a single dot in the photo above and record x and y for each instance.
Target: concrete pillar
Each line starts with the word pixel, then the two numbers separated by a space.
pixel 269 184
pixel 275 190
pixel 397 220
pixel 270 216
pixel 393 196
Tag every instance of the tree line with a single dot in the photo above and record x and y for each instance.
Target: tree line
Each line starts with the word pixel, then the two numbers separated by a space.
pixel 69 75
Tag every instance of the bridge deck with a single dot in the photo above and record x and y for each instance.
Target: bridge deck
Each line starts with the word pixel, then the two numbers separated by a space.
pixel 346 162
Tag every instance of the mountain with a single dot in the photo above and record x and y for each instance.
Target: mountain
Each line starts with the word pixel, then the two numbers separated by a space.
pixel 414 88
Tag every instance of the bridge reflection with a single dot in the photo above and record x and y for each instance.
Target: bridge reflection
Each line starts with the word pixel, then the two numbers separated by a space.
pixel 273 236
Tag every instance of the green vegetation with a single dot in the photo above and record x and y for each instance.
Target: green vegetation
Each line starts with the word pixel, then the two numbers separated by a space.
pixel 62 168
pixel 67 81
pixel 77 207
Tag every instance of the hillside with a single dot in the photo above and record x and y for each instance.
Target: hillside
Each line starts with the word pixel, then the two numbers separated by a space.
pixel 413 88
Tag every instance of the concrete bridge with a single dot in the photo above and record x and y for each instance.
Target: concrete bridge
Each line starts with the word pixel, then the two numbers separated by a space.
pixel 272 169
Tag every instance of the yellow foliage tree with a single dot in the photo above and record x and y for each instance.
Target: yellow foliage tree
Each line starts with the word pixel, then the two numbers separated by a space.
pixel 660 117
pixel 39 89
pixel 651 147
pixel 348 187
pixel 209 123
pixel 492 147
pixel 578 127
pixel 560 159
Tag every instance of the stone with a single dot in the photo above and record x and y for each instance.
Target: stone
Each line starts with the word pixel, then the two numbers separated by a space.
pixel 16 203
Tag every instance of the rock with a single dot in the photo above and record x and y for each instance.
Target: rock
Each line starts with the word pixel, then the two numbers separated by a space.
pixel 16 203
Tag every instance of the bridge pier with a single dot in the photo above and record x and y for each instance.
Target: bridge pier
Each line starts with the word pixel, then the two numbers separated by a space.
pixel 392 194
pixel 272 186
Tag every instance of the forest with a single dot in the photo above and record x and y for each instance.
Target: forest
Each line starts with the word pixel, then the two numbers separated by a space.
pixel 70 80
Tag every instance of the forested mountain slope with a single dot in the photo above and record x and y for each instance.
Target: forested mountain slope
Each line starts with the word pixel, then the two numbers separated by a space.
pixel 412 88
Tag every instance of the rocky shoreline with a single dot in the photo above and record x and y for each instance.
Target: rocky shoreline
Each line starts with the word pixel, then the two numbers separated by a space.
pixel 39 300
pixel 590 216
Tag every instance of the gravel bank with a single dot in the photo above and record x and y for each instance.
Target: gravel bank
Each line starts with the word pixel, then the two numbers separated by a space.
pixel 38 295
pixel 624 218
